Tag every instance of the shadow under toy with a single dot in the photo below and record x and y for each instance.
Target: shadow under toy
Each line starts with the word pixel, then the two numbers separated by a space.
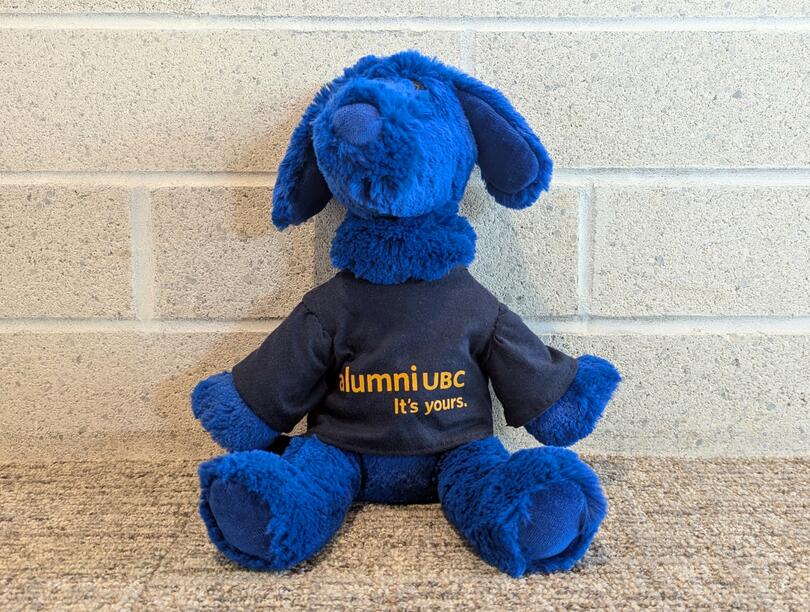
pixel 391 360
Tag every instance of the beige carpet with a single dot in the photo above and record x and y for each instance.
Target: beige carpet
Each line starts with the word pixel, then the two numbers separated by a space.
pixel 721 534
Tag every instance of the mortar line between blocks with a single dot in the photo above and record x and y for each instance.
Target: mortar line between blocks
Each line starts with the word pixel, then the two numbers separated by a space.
pixel 141 178
pixel 581 176
pixel 718 177
pixel 154 326
pixel 573 324
pixel 166 21
pixel 674 325
pixel 584 250
pixel 468 52
pixel 143 265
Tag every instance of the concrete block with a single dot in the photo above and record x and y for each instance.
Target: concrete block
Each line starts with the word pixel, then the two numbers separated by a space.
pixel 65 252
pixel 658 99
pixel 705 395
pixel 218 256
pixel 203 99
pixel 107 395
pixel 112 394
pixel 427 8
pixel 528 258
pixel 701 251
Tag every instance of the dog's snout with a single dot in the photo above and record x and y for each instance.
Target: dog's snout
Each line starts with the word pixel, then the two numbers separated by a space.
pixel 357 123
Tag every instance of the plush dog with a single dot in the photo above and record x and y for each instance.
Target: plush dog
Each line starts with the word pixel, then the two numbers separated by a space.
pixel 391 360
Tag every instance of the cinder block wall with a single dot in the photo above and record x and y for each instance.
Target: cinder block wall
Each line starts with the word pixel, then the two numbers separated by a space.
pixel 138 148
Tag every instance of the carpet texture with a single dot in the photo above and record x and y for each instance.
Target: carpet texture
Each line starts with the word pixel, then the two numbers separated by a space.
pixel 680 534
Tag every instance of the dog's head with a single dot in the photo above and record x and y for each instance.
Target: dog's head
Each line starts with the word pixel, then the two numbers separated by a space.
pixel 398 137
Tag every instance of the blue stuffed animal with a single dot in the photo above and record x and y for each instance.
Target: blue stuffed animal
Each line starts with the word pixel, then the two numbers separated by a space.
pixel 391 360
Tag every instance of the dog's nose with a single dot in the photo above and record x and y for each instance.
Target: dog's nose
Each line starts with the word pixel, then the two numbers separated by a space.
pixel 357 123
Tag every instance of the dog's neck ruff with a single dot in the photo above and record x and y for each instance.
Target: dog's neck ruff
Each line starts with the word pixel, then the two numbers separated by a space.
pixel 389 251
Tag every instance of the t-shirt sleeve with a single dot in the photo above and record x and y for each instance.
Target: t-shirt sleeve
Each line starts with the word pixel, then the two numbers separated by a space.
pixel 527 376
pixel 284 379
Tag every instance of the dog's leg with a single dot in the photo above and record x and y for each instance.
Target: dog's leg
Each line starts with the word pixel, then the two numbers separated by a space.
pixel 534 511
pixel 270 512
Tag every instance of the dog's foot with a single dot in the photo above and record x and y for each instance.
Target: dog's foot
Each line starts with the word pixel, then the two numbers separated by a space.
pixel 241 516
pixel 555 518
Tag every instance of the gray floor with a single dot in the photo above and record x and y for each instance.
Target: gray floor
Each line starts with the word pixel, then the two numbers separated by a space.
pixel 694 534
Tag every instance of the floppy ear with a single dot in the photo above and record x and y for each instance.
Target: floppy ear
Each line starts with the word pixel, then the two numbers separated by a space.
pixel 514 164
pixel 301 191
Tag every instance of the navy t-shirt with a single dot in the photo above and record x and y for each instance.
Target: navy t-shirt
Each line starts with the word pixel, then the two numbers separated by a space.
pixel 401 369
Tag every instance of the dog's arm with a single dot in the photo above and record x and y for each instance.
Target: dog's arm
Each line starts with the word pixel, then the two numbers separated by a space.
pixel 223 413
pixel 557 398
pixel 270 390
pixel 575 414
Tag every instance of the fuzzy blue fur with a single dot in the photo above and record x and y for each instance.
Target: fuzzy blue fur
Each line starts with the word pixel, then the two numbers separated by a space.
pixel 399 479
pixel 576 413
pixel 395 140
pixel 390 251
pixel 423 155
pixel 489 495
pixel 426 125
pixel 386 479
pixel 271 512
pixel 300 190
pixel 224 414
pixel 304 495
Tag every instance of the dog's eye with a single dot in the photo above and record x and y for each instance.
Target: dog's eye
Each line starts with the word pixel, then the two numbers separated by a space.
pixel 416 84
